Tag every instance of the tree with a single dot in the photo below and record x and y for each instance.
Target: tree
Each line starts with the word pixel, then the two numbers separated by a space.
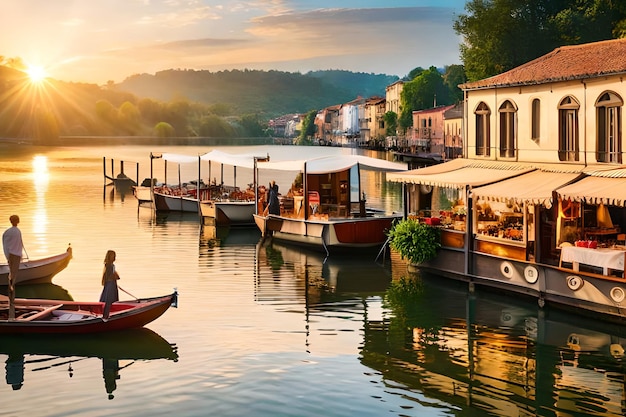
pixel 308 129
pixel 252 126
pixel 391 123
pixel 215 127
pixel 454 76
pixel 425 91
pixel 503 34
pixel 129 117
pixel 414 73
pixel 164 130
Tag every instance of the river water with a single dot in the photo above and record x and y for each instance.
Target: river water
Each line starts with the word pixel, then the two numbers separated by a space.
pixel 264 329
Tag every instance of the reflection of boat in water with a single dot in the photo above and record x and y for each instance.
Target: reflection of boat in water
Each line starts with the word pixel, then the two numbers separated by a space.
pixel 317 276
pixel 503 356
pixel 44 352
pixel 228 236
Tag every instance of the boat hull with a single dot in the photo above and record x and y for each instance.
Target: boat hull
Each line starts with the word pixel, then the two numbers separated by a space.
pixel 75 317
pixel 165 202
pixel 228 213
pixel 142 194
pixel 549 284
pixel 333 234
pixel 39 271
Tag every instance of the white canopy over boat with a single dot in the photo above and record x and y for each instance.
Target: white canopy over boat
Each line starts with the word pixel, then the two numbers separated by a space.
pixel 178 158
pixel 245 160
pixel 334 163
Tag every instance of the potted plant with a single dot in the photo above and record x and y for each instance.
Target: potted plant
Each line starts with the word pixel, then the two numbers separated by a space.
pixel 415 241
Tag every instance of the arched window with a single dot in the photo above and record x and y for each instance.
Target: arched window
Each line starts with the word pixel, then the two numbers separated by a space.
pixel 568 129
pixel 483 140
pixel 609 128
pixel 507 129
pixel 536 120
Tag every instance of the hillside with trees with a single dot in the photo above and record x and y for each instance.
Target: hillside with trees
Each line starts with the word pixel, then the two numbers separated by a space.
pixel 266 93
pixel 172 103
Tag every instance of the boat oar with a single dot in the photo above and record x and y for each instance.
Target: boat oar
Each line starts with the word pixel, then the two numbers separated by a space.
pixel 127 292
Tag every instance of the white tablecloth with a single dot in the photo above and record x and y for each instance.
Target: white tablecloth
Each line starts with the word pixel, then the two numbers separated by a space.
pixel 603 258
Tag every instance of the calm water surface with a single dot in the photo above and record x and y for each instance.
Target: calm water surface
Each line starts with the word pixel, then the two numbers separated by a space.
pixel 264 329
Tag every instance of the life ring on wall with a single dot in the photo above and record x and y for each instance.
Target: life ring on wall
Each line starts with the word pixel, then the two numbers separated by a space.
pixel 531 274
pixel 574 282
pixel 617 294
pixel 506 269
pixel 573 341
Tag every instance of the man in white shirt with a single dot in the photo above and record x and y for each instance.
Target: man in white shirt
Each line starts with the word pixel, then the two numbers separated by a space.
pixel 12 245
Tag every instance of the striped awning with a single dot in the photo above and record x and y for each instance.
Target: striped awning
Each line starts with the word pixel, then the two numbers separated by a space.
pixel 459 173
pixel 535 187
pixel 595 189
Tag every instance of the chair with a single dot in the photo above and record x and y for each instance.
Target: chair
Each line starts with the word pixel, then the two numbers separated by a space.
pixel 314 201
pixel 286 205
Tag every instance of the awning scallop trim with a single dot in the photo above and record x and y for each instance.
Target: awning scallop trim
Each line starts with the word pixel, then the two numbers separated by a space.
pixel 597 189
pixel 531 188
pixel 459 173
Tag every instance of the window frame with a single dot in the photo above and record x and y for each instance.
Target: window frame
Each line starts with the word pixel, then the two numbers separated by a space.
pixel 569 138
pixel 483 129
pixel 508 129
pixel 609 127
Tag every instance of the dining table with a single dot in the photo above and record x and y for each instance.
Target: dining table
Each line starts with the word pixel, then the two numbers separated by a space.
pixel 609 259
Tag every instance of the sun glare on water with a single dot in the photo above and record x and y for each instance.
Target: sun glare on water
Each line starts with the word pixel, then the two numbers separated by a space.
pixel 36 73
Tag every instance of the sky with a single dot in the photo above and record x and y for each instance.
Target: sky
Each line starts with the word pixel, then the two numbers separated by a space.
pixel 96 41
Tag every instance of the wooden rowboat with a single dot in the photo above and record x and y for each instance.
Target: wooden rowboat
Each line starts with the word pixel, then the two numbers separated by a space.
pixel 78 317
pixel 38 271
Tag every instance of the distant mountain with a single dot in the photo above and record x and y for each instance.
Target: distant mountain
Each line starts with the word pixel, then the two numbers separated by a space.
pixel 267 93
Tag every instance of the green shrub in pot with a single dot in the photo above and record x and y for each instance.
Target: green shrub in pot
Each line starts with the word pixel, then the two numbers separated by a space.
pixel 414 241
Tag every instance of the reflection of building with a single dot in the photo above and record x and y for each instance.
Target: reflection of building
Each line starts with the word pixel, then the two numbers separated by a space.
pixel 480 354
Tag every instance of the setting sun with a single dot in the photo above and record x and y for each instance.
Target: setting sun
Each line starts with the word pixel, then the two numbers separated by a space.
pixel 36 73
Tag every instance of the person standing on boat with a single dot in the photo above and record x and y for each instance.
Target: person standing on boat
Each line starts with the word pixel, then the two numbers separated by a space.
pixel 110 293
pixel 13 246
pixel 273 204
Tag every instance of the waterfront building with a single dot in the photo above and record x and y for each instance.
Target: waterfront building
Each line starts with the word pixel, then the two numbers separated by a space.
pixel 542 181
pixel 428 130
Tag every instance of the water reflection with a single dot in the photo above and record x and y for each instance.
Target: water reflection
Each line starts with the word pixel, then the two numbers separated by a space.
pixel 486 352
pixel 41 178
pixel 314 275
pixel 220 236
pixel 116 350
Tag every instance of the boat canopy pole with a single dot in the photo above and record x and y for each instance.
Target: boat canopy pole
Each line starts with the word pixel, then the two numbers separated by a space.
pixel 305 188
pixel 154 156
pixel 198 190
pixel 255 180
pixel 468 231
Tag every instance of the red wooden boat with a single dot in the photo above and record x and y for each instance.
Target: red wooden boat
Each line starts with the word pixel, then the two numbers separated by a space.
pixel 78 317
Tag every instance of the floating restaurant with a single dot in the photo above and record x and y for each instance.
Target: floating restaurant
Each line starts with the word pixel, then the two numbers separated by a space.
pixel 536 206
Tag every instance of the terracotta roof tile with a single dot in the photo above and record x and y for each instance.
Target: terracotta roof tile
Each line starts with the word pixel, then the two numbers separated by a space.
pixel 564 63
